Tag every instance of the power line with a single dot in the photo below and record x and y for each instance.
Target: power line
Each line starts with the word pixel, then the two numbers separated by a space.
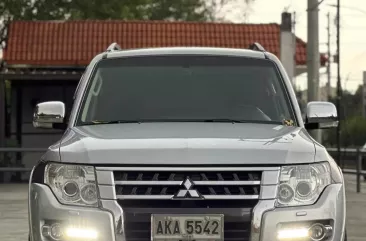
pixel 343 27
pixel 347 7
pixel 335 77
pixel 354 28
pixel 354 15
pixel 348 79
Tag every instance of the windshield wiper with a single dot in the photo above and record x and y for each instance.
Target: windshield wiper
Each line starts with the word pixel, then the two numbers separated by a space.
pixel 243 121
pixel 98 122
pixel 222 120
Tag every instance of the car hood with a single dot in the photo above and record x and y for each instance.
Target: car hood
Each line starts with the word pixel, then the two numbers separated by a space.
pixel 187 144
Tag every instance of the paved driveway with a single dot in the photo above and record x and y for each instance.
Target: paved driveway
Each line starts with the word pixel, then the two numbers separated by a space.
pixel 13 212
pixel 14 226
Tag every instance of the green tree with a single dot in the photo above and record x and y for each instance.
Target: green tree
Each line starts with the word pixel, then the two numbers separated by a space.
pixel 217 10
pixel 189 10
pixel 353 124
pixel 30 10
pixel 353 133
pixel 185 10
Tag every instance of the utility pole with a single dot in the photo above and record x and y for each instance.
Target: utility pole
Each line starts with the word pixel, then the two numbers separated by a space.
pixel 329 87
pixel 364 95
pixel 339 90
pixel 287 48
pixel 313 56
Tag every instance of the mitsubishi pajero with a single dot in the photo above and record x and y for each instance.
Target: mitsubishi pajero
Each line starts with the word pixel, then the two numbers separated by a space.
pixel 186 143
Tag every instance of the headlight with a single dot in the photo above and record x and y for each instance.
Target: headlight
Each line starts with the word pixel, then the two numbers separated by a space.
pixel 302 184
pixel 72 184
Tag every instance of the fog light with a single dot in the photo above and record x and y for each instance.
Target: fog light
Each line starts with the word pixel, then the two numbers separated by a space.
pixel 292 233
pixel 56 231
pixel 81 233
pixel 318 231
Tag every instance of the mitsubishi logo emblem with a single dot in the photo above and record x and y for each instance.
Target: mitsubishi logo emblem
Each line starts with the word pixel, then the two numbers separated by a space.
pixel 188 191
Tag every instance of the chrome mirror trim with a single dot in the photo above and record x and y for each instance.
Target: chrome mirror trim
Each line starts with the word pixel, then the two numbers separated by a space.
pixel 48 113
pixel 321 115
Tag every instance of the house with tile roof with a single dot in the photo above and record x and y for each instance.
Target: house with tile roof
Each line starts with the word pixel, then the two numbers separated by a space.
pixel 44 60
pixel 55 44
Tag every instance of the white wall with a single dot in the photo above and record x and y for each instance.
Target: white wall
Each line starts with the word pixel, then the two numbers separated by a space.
pixel 288 53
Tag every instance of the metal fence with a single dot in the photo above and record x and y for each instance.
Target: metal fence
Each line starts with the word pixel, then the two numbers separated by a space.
pixel 15 164
pixel 352 161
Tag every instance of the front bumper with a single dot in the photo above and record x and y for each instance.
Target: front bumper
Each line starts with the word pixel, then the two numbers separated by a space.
pixel 45 208
pixel 108 220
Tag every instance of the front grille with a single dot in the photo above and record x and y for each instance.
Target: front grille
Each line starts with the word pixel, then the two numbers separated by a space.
pixel 138 228
pixel 231 191
pixel 206 184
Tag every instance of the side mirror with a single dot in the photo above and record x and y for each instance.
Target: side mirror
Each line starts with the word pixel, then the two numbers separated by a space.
pixel 49 115
pixel 321 115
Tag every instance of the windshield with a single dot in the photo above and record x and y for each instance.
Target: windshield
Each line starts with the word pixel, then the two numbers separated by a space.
pixel 185 88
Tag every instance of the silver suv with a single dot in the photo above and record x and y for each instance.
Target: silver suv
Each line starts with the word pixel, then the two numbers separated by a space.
pixel 186 143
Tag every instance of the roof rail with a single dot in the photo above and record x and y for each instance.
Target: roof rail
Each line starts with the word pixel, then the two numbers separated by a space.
pixel 257 47
pixel 113 47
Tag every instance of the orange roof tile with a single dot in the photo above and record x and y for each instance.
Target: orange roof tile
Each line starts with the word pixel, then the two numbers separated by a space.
pixel 75 43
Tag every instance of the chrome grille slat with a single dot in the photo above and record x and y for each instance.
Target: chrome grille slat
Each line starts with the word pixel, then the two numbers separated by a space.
pixel 150 183
pixel 229 197
pixel 227 183
pixel 162 197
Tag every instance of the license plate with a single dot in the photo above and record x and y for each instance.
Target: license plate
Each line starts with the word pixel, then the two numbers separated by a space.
pixel 187 227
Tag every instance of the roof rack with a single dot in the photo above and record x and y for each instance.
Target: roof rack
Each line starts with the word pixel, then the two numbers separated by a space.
pixel 257 47
pixel 113 47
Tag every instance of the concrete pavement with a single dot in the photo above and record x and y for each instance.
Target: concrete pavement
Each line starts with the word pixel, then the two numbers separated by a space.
pixel 13 212
pixel 356 210
pixel 14 223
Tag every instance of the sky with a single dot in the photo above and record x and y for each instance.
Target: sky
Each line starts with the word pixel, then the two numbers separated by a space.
pixel 352 34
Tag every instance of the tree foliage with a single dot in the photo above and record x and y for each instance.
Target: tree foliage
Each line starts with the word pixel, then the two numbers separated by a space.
pixel 353 123
pixel 189 10
pixel 353 133
pixel 185 10
pixel 29 10
pixel 217 10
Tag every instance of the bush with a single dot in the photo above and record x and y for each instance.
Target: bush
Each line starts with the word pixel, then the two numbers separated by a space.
pixel 353 133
